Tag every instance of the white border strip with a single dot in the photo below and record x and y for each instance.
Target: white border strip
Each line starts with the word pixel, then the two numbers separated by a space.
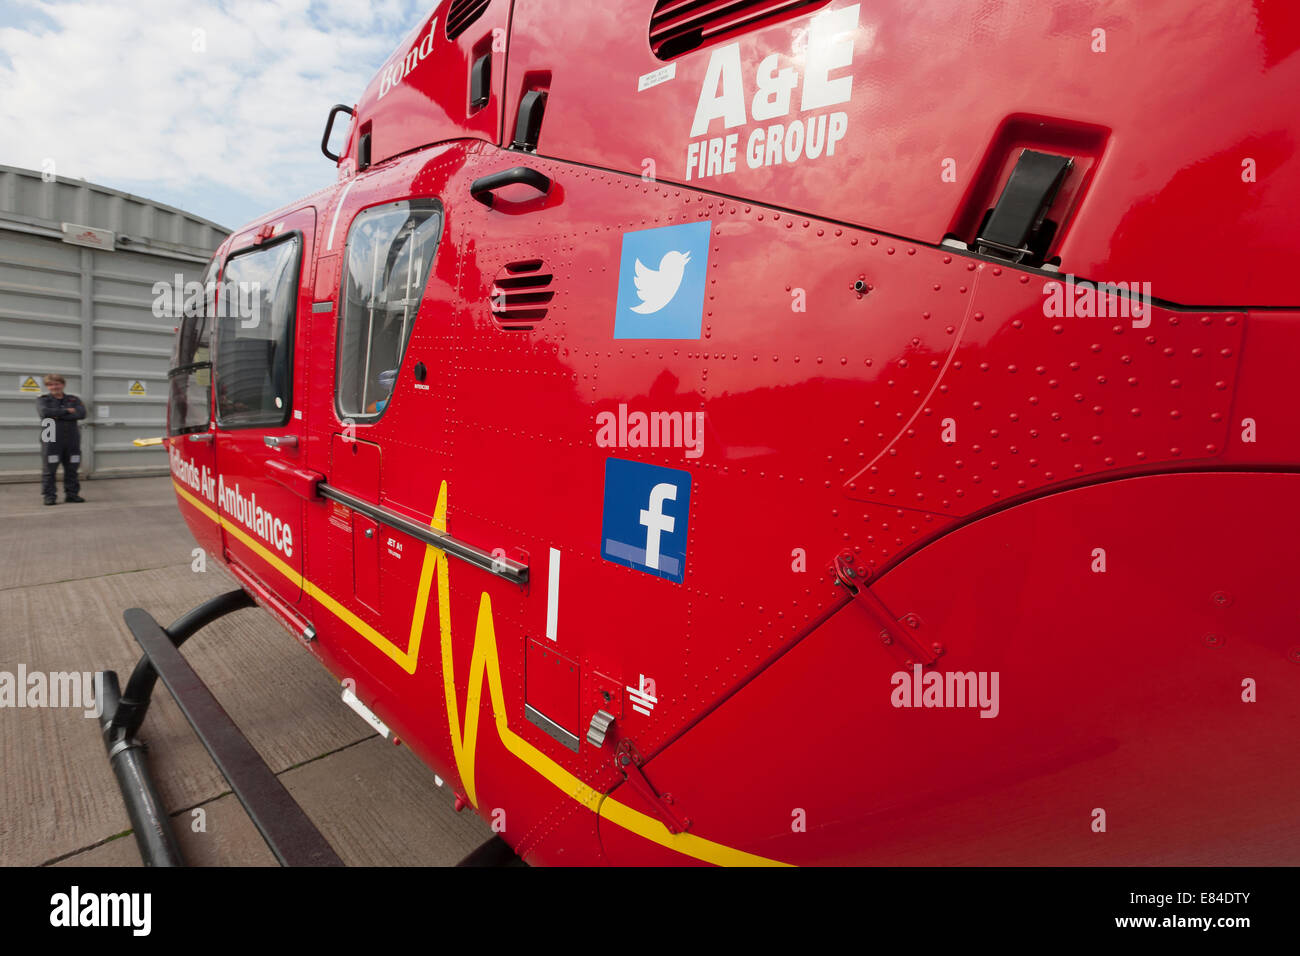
pixel 553 594
pixel 367 715
pixel 338 209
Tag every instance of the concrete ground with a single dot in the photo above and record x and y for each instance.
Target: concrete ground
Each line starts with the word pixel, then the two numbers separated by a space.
pixel 66 574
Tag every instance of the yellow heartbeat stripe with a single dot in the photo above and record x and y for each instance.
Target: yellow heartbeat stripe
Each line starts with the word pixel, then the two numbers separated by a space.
pixel 405 659
pixel 269 557
pixel 484 664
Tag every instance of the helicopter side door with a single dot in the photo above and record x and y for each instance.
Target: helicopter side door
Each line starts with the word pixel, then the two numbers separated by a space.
pixel 266 283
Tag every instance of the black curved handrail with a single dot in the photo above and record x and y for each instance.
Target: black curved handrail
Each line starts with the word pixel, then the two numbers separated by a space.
pixel 482 188
pixel 329 126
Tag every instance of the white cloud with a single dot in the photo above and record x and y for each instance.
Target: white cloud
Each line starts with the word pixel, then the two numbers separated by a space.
pixel 117 94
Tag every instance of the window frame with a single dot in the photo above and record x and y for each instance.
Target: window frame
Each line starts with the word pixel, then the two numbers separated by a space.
pixel 292 336
pixel 188 369
pixel 437 206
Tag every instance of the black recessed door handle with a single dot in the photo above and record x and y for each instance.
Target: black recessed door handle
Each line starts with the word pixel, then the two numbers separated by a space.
pixel 480 82
pixel 482 188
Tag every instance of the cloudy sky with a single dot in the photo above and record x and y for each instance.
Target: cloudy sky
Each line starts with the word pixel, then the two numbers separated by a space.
pixel 215 106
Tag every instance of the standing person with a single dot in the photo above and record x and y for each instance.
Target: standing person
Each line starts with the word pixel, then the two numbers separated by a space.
pixel 60 440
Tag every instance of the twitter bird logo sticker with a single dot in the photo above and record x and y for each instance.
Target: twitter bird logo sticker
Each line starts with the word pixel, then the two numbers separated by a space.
pixel 656 287
pixel 661 281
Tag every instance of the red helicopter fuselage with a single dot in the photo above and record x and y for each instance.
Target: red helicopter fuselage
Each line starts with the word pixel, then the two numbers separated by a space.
pixel 792 433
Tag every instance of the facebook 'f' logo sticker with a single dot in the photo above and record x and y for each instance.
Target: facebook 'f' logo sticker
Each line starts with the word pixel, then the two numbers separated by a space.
pixel 646 513
pixel 661 279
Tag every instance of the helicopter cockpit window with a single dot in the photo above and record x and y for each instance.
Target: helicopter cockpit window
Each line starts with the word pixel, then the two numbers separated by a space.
pixel 190 379
pixel 389 257
pixel 254 367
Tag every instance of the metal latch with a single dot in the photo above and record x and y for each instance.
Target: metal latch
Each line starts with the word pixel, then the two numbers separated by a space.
pixel 1014 229
pixel 600 722
pixel 898 635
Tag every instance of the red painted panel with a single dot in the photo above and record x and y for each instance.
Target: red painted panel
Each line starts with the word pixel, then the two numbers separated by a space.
pixel 354 467
pixel 1121 690
pixel 421 95
pixel 1264 427
pixel 194 472
pixel 936 81
pixel 1032 396
pixel 828 358
pixel 552 686
pixel 365 560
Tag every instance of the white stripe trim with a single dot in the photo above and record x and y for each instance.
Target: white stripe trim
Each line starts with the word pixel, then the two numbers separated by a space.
pixel 366 713
pixel 553 594
pixel 338 209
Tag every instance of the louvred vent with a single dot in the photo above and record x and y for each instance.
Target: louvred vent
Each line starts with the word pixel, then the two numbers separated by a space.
pixel 461 14
pixel 679 26
pixel 520 294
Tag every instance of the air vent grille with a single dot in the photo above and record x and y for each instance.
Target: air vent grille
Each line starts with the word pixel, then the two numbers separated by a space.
pixel 679 26
pixel 521 294
pixel 461 14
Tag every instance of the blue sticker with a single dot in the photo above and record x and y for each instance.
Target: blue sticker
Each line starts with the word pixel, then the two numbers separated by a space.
pixel 661 279
pixel 644 523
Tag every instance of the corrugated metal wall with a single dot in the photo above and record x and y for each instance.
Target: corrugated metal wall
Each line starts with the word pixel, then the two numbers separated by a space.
pixel 86 312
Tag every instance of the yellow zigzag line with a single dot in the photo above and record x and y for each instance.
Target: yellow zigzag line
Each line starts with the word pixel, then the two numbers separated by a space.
pixel 404 659
pixel 485 664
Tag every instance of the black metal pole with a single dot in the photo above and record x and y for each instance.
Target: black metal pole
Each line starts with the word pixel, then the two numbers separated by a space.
pixel 120 720
pixel 139 689
pixel 126 755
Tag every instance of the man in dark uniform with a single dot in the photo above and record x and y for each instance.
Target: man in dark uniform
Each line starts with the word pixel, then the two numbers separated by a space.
pixel 60 440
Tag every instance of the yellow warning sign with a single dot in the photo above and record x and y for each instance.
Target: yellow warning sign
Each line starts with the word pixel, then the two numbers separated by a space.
pixel 137 388
pixel 28 383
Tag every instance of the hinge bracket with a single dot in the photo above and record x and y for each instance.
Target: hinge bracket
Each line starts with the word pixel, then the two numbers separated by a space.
pixel 898 635
pixel 628 762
